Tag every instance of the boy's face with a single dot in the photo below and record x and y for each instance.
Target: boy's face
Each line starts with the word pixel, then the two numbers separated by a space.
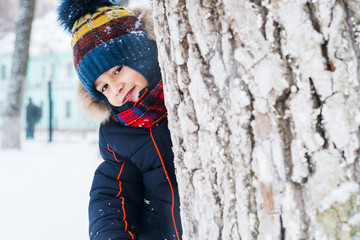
pixel 120 85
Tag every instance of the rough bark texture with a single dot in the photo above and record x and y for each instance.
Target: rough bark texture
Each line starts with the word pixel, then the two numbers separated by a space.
pixel 11 126
pixel 263 100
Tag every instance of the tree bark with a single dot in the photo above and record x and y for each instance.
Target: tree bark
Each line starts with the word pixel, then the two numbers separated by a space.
pixel 11 126
pixel 263 102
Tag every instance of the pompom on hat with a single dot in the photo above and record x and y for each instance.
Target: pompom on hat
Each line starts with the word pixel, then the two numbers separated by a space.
pixel 104 36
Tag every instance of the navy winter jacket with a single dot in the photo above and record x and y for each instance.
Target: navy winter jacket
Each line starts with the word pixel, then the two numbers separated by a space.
pixel 134 194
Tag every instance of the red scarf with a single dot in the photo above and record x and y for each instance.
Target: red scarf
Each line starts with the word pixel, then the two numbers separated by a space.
pixel 147 112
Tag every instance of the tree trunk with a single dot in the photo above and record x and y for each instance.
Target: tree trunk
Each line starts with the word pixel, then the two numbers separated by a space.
pixel 263 101
pixel 11 126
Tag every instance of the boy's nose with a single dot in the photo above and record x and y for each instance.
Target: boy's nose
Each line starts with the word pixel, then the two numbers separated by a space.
pixel 116 88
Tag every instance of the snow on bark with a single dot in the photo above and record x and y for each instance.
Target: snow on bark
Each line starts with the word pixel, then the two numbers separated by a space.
pixel 11 126
pixel 263 101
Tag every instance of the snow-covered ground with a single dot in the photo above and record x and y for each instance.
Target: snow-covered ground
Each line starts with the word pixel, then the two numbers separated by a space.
pixel 44 190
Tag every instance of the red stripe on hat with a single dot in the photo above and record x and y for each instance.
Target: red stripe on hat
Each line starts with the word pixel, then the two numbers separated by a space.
pixel 97 36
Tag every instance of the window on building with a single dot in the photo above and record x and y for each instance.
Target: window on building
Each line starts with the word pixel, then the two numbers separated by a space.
pixel 68 109
pixel 3 72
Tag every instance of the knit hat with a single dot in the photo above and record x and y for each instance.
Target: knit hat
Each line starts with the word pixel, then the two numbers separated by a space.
pixel 104 36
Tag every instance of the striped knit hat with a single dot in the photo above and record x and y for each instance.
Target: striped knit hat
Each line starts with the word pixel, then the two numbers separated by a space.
pixel 105 36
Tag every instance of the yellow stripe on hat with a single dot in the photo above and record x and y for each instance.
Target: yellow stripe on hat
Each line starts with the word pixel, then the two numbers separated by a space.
pixel 102 16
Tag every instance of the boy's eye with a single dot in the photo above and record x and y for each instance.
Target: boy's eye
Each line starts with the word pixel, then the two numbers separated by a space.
pixel 118 70
pixel 103 89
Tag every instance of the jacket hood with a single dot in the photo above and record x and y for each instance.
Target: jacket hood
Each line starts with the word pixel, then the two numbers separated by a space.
pixel 99 110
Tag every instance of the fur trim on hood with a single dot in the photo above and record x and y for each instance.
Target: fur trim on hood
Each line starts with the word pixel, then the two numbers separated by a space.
pixel 89 106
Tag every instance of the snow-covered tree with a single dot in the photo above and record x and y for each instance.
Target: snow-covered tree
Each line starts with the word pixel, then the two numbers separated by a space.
pixel 11 126
pixel 263 99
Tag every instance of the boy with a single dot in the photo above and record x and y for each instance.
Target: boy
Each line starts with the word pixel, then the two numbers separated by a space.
pixel 134 194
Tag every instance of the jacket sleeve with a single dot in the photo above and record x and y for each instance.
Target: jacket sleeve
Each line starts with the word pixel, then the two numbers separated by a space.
pixel 116 198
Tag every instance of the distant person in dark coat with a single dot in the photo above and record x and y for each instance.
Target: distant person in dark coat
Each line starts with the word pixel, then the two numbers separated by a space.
pixel 134 194
pixel 33 115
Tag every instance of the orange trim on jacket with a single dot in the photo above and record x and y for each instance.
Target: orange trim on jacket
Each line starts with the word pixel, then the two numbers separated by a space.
pixel 171 187
pixel 120 190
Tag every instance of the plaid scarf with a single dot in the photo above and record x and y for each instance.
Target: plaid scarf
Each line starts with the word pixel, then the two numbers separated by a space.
pixel 148 111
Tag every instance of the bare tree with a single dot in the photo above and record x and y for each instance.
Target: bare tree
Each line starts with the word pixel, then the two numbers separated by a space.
pixel 11 128
pixel 263 100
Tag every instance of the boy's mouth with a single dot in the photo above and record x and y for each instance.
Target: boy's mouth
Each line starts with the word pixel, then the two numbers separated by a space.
pixel 129 95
